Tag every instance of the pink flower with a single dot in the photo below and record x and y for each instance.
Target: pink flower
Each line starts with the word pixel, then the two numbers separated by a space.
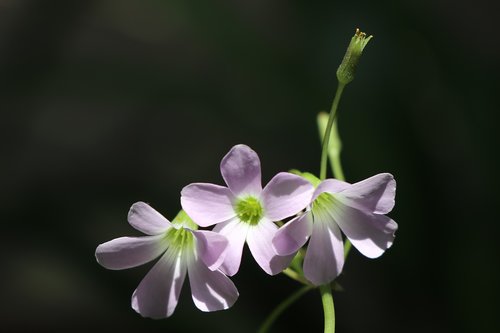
pixel 182 249
pixel 244 211
pixel 356 209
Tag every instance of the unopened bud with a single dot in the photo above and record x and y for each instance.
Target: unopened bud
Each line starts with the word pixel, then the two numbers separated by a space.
pixel 347 69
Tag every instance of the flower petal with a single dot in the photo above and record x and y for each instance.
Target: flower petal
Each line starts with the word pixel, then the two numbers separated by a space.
pixel 127 252
pixel 259 241
pixel 285 195
pixel 375 194
pixel 370 233
pixel 158 293
pixel 330 186
pixel 236 233
pixel 144 218
pixel 293 235
pixel 211 290
pixel 211 247
pixel 207 204
pixel 324 258
pixel 240 169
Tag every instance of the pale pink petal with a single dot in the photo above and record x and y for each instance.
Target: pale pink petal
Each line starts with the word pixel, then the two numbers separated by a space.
pixel 127 252
pixel 330 186
pixel 375 194
pixel 236 233
pixel 158 293
pixel 211 290
pixel 207 204
pixel 293 235
pixel 144 218
pixel 240 169
pixel 211 247
pixel 325 252
pixel 370 233
pixel 259 241
pixel 286 195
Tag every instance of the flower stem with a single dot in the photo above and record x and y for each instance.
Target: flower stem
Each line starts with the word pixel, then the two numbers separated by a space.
pixel 326 138
pixel 294 275
pixel 328 308
pixel 266 325
pixel 347 248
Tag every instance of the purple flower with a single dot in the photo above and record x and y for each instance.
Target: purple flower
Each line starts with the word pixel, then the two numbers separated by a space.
pixel 182 249
pixel 358 210
pixel 243 211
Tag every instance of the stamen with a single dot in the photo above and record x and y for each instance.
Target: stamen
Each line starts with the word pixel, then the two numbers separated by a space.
pixel 249 210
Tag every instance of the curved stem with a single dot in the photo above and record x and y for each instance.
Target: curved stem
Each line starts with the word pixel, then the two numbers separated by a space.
pixel 326 138
pixel 282 307
pixel 294 275
pixel 328 308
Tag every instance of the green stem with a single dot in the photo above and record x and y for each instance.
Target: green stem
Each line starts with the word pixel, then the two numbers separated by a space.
pixel 266 325
pixel 328 308
pixel 347 248
pixel 294 275
pixel 326 138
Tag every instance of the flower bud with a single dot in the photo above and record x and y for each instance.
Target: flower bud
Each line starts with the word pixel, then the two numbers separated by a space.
pixel 347 69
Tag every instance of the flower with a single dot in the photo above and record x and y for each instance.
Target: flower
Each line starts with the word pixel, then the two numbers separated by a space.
pixel 182 249
pixel 356 209
pixel 243 211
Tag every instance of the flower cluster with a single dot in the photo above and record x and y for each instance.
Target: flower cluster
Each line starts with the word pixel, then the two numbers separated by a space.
pixel 245 212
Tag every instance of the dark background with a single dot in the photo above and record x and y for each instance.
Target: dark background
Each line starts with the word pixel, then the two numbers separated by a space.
pixel 104 103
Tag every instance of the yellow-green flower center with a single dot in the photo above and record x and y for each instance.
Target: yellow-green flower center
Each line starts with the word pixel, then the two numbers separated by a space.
pixel 179 239
pixel 183 220
pixel 323 203
pixel 249 210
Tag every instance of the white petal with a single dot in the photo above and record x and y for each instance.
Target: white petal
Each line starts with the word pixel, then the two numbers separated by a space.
pixel 158 293
pixel 286 195
pixel 211 247
pixel 370 233
pixel 293 235
pixel 236 233
pixel 240 169
pixel 207 204
pixel 144 218
pixel 259 241
pixel 330 186
pixel 127 252
pixel 211 290
pixel 325 253
pixel 375 194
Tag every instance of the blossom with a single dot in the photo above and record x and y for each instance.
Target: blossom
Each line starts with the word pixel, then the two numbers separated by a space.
pixel 244 211
pixel 183 249
pixel 356 209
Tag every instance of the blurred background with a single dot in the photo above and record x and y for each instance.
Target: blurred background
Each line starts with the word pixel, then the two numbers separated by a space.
pixel 105 103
